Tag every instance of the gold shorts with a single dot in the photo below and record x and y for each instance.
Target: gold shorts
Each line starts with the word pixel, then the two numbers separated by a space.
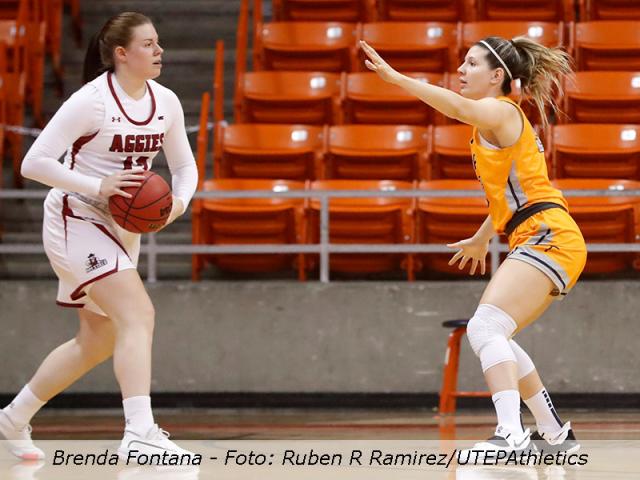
pixel 551 241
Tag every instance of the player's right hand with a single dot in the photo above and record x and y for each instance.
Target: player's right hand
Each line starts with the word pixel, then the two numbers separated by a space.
pixel 113 184
pixel 470 249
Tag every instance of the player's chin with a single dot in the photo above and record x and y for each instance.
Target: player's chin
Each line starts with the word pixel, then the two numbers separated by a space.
pixel 155 70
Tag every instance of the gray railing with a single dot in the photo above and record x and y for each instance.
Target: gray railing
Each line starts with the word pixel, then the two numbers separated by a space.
pixel 152 248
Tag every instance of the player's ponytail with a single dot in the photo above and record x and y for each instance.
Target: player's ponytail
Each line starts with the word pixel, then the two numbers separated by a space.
pixel 540 69
pixel 116 32
pixel 92 62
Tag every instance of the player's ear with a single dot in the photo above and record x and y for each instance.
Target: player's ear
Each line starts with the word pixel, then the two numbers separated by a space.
pixel 120 53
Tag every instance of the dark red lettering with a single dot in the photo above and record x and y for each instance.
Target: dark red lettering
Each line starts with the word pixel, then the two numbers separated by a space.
pixel 116 144
pixel 129 143
pixel 140 143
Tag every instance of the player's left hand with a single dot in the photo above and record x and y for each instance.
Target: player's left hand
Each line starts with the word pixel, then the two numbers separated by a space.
pixel 375 63
pixel 177 209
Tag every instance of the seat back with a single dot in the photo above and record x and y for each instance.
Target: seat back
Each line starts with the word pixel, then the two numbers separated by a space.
pixel 392 152
pixel 605 220
pixel 609 10
pixel 363 220
pixel 421 10
pixel 607 45
pixel 603 97
pixel 413 46
pixel 549 34
pixel 370 100
pixel 322 10
pixel 596 151
pixel 445 220
pixel 251 221
pixel 450 154
pixel 307 46
pixel 247 150
pixel 309 98
pixel 539 10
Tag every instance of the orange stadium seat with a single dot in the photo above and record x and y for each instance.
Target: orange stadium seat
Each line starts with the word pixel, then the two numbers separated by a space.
pixel 368 99
pixel 310 98
pixel 309 46
pixel 450 154
pixel 247 150
pixel 609 10
pixel 602 97
pixel 596 151
pixel 3 106
pixel 220 221
pixel 323 10
pixel 538 10
pixel 391 152
pixel 363 220
pixel 549 34
pixel 605 220
pixel 607 45
pixel 14 65
pixel 413 46
pixel 421 10
pixel 447 220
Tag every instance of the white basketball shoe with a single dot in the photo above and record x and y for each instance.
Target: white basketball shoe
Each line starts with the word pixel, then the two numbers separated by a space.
pixel 18 440
pixel 154 443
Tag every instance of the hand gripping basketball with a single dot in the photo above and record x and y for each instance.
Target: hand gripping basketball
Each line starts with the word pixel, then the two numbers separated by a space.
pixel 146 205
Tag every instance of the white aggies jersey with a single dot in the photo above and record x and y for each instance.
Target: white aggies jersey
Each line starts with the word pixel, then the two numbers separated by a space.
pixel 122 141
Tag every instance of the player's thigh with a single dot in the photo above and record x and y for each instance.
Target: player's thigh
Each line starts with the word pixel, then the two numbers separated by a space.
pixel 123 298
pixel 521 290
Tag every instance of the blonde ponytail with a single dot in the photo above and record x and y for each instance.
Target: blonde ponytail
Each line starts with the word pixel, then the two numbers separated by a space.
pixel 541 72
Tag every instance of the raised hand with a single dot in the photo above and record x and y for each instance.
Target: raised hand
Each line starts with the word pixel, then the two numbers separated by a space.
pixel 375 62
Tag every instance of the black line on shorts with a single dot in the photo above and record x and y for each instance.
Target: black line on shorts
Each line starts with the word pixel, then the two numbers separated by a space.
pixel 546 265
pixel 543 237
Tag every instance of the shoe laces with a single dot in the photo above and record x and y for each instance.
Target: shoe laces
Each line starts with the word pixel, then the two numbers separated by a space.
pixel 160 433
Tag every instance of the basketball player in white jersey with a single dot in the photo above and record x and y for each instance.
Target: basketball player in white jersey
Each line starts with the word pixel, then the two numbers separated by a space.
pixel 111 130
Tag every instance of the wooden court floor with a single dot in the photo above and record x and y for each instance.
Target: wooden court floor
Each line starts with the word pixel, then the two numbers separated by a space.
pixel 615 433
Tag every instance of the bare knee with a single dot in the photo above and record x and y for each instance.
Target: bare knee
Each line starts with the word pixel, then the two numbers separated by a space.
pixel 140 319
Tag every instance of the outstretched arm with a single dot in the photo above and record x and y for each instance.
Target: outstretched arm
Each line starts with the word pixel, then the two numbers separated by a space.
pixel 486 113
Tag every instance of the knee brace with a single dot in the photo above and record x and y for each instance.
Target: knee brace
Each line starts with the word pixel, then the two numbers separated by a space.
pixel 525 364
pixel 488 332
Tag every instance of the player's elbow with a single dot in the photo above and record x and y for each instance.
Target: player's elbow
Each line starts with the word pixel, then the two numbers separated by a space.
pixel 28 168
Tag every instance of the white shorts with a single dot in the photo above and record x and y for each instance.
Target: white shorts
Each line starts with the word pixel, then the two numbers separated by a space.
pixel 84 244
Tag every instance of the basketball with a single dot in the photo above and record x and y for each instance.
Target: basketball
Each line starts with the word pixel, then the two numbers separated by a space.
pixel 148 208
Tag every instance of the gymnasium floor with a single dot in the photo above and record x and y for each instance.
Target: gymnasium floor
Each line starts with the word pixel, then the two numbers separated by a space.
pixel 612 439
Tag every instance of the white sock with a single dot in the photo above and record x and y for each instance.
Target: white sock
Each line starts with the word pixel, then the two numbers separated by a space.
pixel 547 420
pixel 138 415
pixel 507 403
pixel 23 407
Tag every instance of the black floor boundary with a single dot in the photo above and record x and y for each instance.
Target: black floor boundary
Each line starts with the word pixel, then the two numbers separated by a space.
pixel 335 401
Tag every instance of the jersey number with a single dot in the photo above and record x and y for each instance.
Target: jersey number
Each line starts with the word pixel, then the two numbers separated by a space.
pixel 140 161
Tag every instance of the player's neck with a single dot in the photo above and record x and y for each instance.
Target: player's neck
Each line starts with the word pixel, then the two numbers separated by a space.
pixel 134 87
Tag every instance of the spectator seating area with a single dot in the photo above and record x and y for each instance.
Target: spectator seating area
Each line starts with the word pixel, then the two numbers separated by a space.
pixel 311 116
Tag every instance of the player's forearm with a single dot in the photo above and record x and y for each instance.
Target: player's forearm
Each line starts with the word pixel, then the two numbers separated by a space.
pixel 445 101
pixel 52 173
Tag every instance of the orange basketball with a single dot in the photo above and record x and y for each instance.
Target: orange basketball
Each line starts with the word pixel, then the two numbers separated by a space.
pixel 149 207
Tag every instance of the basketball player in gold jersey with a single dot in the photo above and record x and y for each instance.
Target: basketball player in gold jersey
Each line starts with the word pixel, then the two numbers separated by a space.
pixel 547 251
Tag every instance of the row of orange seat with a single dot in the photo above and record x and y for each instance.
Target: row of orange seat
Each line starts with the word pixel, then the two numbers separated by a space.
pixel 451 10
pixel 435 46
pixel 384 220
pixel 29 30
pixel 317 98
pixel 405 152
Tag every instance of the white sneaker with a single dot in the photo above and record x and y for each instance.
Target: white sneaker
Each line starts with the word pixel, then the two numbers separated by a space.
pixel 154 448
pixel 18 441
pixel 504 440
